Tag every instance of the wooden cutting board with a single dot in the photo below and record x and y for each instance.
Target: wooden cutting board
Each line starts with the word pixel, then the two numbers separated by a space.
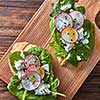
pixel 37 32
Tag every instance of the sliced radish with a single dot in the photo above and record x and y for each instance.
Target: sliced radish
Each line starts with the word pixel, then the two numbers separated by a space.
pixel 63 20
pixel 31 60
pixel 78 19
pixel 31 81
pixel 69 35
pixel 37 69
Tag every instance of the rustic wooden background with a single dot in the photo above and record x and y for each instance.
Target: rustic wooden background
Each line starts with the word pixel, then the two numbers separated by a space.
pixel 14 15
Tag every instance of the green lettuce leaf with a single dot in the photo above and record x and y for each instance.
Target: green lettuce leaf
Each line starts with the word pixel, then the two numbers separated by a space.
pixel 14 57
pixel 13 88
pixel 57 6
pixel 83 51
pixel 79 49
pixel 45 58
pixel 80 9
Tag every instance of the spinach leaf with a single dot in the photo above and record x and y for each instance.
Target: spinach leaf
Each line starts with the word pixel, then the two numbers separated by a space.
pixel 89 28
pixel 80 9
pixel 56 9
pixel 57 6
pixel 14 57
pixel 44 56
pixel 52 25
pixel 57 42
pixel 80 49
pixel 13 88
pixel 59 51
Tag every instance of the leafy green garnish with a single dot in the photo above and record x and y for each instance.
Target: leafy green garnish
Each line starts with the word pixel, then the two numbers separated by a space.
pixel 21 93
pixel 79 49
pixel 14 57
pixel 45 58
pixel 57 42
pixel 57 6
pixel 83 51
pixel 80 9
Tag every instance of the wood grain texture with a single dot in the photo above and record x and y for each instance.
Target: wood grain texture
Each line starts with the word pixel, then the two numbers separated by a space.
pixel 70 71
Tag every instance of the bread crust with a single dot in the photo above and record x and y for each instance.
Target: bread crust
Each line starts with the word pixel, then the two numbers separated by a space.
pixel 61 61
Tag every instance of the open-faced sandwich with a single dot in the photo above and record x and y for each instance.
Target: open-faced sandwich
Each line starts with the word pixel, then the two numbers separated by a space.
pixel 73 34
pixel 33 77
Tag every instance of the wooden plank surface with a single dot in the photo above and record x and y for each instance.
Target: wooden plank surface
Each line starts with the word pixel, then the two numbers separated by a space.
pixel 19 9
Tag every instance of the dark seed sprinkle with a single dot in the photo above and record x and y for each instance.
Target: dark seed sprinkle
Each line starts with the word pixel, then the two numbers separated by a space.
pixel 64 23
pixel 68 33
pixel 66 17
pixel 71 39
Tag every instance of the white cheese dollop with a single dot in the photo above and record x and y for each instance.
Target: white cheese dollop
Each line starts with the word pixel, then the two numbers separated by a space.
pixel 20 74
pixel 43 89
pixel 71 10
pixel 68 47
pixel 85 33
pixel 46 67
pixel 66 7
pixel 85 41
pixel 79 58
pixel 18 64
pixel 81 33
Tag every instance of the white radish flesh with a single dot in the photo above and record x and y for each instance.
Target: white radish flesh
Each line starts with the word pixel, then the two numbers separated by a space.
pixel 30 84
pixel 78 19
pixel 63 20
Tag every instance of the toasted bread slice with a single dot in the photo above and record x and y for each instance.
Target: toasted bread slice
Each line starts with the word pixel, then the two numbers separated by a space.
pixel 19 46
pixel 61 61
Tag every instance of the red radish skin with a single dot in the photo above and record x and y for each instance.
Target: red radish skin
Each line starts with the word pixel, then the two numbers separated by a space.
pixel 28 68
pixel 27 57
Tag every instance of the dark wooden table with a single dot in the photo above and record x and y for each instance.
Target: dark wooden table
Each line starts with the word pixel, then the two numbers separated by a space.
pixel 14 15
